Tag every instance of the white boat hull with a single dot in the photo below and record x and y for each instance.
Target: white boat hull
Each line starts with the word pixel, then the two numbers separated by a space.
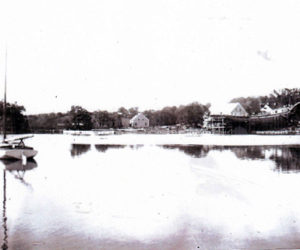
pixel 17 154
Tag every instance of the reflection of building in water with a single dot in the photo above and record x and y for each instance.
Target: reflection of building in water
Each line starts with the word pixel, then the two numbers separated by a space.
pixel 104 147
pixel 197 151
pixel 18 170
pixel 79 149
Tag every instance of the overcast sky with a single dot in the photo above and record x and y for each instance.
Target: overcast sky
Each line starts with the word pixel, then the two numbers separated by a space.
pixel 150 54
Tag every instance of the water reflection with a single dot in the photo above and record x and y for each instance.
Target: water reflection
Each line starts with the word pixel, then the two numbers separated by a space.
pixel 18 170
pixel 286 158
pixel 197 151
pixel 79 149
pixel 149 197
pixel 104 147
pixel 244 152
pixel 4 218
pixel 137 146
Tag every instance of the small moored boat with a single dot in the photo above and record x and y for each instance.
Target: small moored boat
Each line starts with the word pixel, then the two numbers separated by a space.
pixel 14 148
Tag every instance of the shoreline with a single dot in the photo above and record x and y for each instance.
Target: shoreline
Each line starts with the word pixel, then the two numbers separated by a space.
pixel 188 139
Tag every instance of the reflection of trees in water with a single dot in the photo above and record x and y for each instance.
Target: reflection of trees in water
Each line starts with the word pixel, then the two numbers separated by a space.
pixel 244 152
pixel 79 149
pixel 137 146
pixel 104 147
pixel 287 159
pixel 197 151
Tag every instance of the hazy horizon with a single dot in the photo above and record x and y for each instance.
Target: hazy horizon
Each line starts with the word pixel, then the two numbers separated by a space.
pixel 218 104
pixel 105 55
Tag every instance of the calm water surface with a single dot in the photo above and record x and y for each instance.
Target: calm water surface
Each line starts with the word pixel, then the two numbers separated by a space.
pixel 151 197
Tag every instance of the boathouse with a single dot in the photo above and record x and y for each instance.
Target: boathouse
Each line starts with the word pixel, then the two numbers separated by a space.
pixel 229 109
pixel 230 118
pixel 225 122
pixel 139 121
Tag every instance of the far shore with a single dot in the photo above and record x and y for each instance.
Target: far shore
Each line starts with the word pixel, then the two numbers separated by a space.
pixel 186 139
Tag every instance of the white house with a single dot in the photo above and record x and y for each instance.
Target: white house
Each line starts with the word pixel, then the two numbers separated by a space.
pixel 139 121
pixel 232 109
pixel 266 110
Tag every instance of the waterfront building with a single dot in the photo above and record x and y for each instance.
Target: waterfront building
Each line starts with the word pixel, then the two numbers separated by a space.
pixel 224 122
pixel 230 118
pixel 139 121
pixel 231 109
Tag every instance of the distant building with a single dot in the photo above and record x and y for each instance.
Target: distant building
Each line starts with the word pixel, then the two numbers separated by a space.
pixel 139 121
pixel 266 110
pixel 235 120
pixel 227 119
pixel 231 109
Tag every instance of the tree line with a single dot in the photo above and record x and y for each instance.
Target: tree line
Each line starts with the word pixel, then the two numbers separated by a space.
pixel 277 99
pixel 16 121
pixel 78 118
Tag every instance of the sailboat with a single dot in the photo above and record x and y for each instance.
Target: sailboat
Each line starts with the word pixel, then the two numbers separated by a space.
pixel 14 148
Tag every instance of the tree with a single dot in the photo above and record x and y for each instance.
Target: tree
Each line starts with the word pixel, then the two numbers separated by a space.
pixel 133 111
pixel 123 112
pixel 251 104
pixel 276 99
pixel 81 118
pixel 102 119
pixel 191 114
pixel 167 116
pixel 16 122
pixel 152 116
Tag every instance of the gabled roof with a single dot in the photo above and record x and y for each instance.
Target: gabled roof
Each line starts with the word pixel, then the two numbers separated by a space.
pixel 138 116
pixel 224 109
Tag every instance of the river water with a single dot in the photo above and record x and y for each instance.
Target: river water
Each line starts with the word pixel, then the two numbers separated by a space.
pixel 97 196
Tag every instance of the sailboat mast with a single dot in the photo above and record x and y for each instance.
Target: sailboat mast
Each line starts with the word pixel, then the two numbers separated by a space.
pixel 4 101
